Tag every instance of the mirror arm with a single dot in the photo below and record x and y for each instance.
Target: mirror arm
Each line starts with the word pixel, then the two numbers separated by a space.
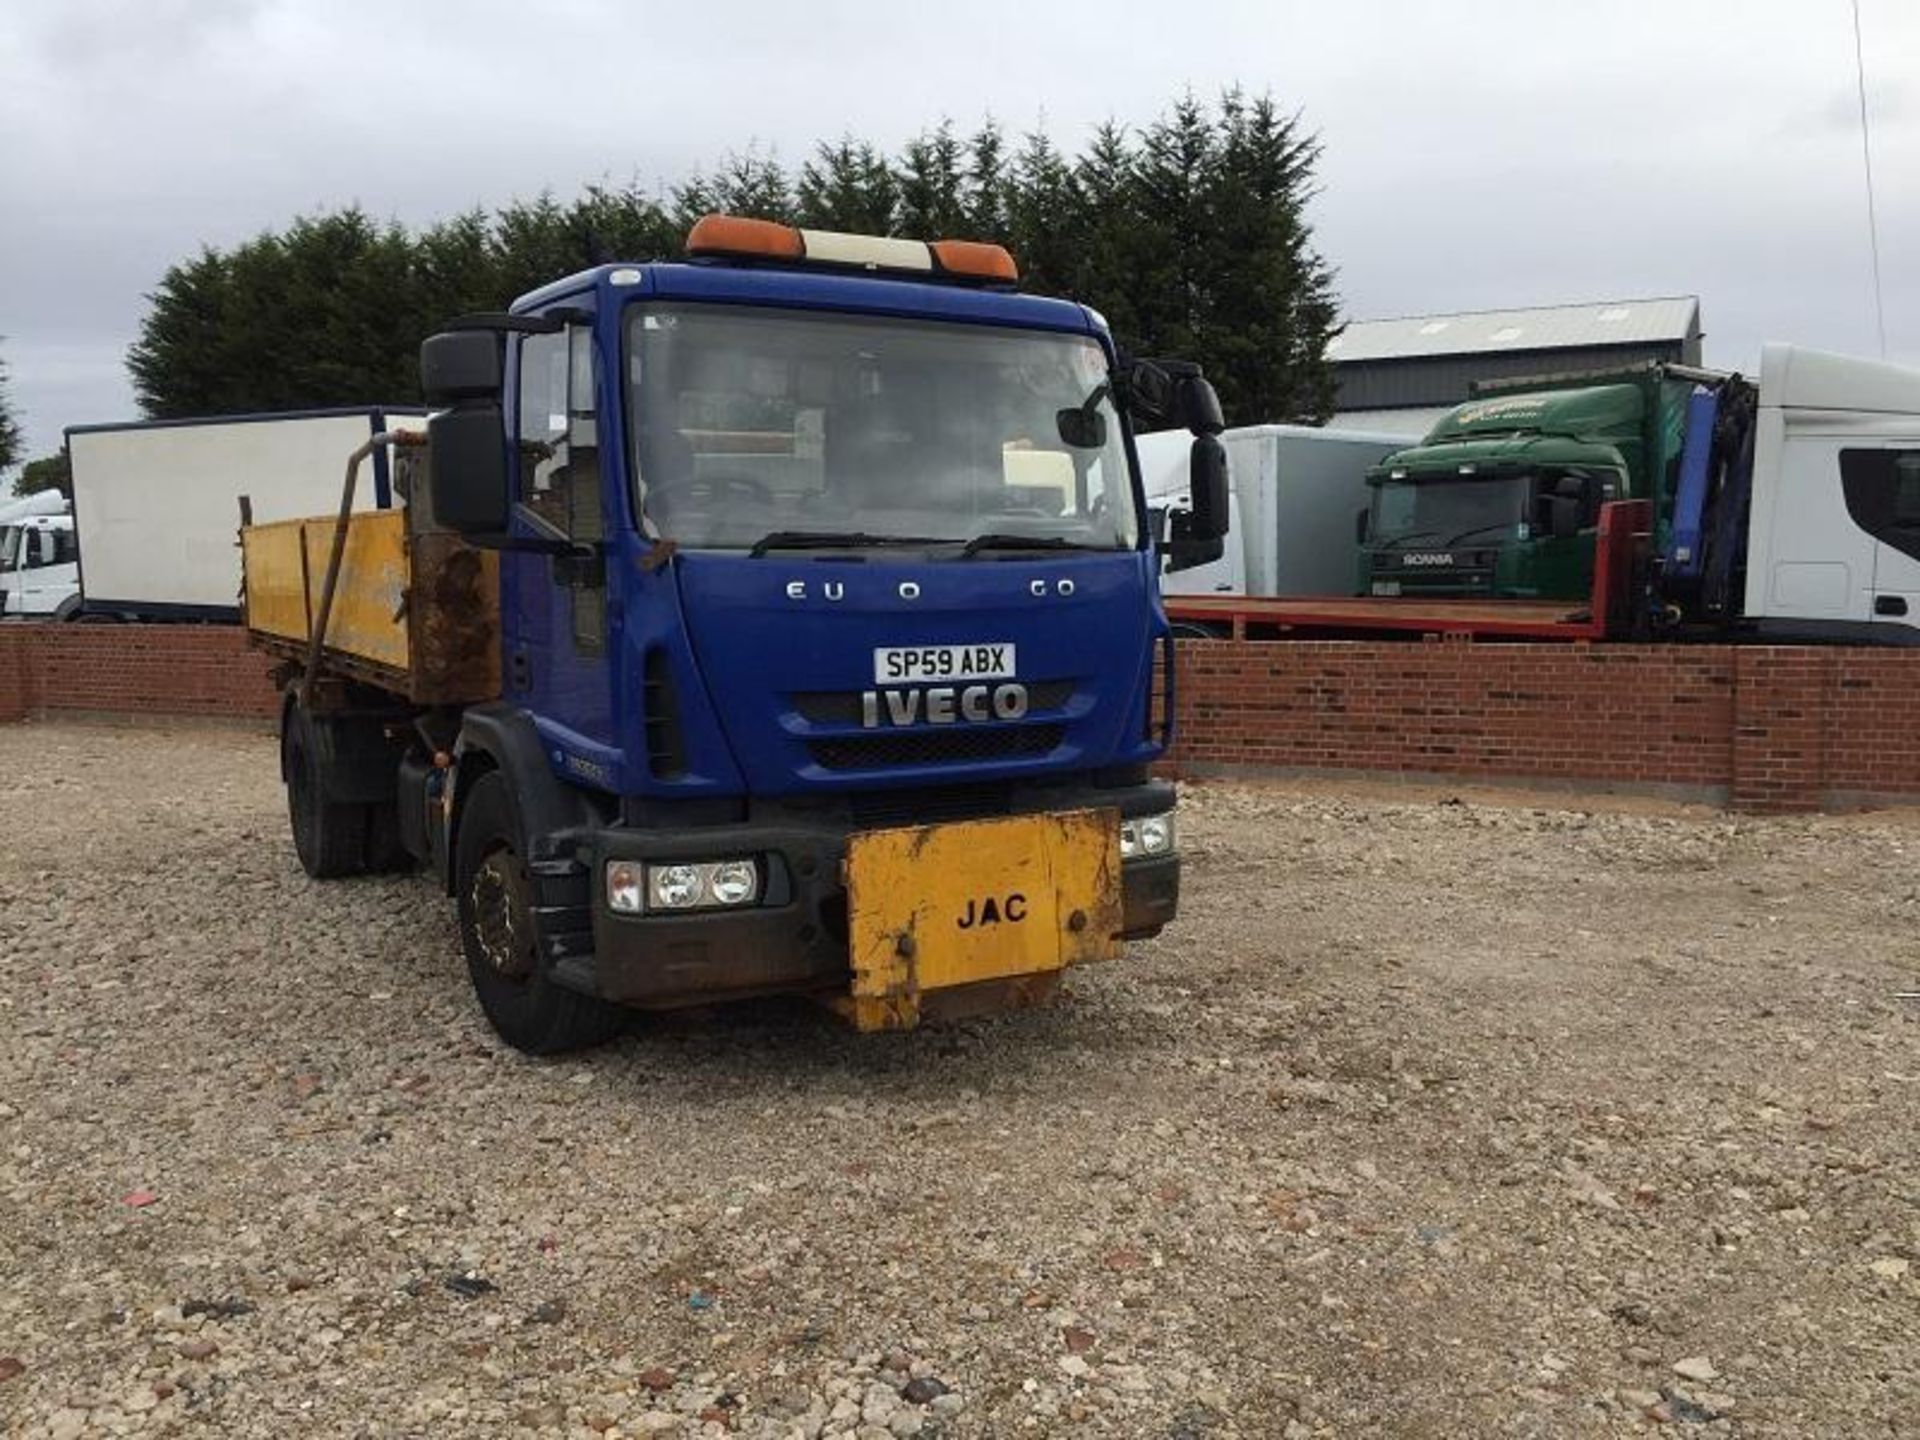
pixel 538 545
pixel 501 323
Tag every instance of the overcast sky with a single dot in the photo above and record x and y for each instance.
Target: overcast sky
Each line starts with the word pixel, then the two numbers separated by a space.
pixel 1478 153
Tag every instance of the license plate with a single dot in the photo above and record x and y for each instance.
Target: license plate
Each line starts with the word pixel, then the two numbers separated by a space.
pixel 1386 587
pixel 944 905
pixel 911 664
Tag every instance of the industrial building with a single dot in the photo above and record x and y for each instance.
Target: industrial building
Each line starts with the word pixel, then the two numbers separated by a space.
pixel 1399 376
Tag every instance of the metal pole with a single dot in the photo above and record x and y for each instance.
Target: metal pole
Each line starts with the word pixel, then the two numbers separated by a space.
pixel 1866 158
pixel 317 640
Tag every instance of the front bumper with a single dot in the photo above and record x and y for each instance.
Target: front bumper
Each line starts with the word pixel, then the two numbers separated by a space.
pixel 795 939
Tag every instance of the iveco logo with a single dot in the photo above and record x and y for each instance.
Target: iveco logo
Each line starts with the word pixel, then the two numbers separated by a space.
pixel 943 705
pixel 1428 558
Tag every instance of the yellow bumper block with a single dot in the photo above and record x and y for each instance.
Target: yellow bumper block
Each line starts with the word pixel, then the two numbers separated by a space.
pixel 941 913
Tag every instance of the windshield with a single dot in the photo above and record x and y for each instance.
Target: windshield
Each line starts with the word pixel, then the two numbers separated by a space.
pixel 9 544
pixel 1440 511
pixel 753 423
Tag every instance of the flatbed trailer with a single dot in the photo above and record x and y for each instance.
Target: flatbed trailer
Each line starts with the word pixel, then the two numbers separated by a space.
pixel 1622 549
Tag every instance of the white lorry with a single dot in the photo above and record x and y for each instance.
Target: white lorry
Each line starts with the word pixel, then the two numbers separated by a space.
pixel 157 503
pixel 1295 490
pixel 39 570
pixel 1832 543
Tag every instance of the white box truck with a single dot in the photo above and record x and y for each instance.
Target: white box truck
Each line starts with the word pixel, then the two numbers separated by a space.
pixel 1295 490
pixel 156 504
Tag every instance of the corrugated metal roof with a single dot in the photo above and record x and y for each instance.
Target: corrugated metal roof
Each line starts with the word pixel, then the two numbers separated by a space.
pixel 1547 327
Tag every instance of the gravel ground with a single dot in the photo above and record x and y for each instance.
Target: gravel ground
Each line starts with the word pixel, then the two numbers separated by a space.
pixel 1436 1116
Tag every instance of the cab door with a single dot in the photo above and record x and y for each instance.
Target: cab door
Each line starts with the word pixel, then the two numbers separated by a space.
pixel 555 629
pixel 1882 490
pixel 47 573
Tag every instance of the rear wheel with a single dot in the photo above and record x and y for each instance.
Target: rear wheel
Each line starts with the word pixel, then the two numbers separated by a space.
pixel 495 896
pixel 329 837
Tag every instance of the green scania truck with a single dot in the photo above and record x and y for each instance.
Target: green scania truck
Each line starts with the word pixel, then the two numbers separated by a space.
pixel 1502 498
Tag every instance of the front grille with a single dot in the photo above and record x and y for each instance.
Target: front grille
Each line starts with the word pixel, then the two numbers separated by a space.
pixel 842 707
pixel 926 805
pixel 1443 583
pixel 956 746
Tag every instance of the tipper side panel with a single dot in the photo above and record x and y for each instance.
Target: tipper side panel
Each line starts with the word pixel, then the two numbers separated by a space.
pixel 369 619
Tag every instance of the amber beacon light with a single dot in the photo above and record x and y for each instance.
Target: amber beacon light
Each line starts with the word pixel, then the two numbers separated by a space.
pixel 737 237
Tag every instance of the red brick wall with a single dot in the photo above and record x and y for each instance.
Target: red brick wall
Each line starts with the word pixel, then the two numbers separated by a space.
pixel 1761 727
pixel 203 670
pixel 15 701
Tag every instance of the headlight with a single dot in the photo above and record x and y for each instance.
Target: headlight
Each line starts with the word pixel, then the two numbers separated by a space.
pixel 681 885
pixel 1148 835
pixel 734 882
pixel 675 887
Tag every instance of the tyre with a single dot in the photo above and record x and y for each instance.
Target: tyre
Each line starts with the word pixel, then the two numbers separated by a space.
pixel 495 897
pixel 329 837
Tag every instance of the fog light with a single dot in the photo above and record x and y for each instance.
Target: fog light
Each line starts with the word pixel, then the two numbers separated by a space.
pixel 624 893
pixel 675 887
pixel 734 882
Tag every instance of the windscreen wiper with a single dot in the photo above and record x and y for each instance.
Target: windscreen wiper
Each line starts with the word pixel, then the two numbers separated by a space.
pixel 835 540
pixel 999 541
pixel 1477 529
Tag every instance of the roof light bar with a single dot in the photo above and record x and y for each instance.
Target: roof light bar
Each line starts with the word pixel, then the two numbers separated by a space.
pixel 736 236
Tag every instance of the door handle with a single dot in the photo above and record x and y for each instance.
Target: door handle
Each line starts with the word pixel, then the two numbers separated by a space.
pixel 1889 604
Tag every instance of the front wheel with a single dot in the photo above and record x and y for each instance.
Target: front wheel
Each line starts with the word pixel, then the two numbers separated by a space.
pixel 495 896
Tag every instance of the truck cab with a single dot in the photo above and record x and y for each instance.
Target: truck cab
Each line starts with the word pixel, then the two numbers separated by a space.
pixel 1502 498
pixel 39 567
pixel 828 630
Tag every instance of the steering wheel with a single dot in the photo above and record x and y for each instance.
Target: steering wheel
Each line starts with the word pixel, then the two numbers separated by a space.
pixel 714 485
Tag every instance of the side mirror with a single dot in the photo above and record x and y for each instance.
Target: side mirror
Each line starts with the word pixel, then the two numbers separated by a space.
pixel 1207 482
pixel 1198 405
pixel 1197 536
pixel 466 442
pixel 1563 516
pixel 1080 428
pixel 467 468
pixel 460 365
pixel 1360 526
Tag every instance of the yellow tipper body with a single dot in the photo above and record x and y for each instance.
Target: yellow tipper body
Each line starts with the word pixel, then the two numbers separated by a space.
pixel 415 613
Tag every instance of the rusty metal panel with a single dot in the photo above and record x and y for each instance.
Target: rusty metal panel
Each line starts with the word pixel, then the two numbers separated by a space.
pixel 453 616
pixel 938 907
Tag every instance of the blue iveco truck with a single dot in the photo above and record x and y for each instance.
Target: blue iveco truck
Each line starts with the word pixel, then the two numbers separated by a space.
pixel 782 620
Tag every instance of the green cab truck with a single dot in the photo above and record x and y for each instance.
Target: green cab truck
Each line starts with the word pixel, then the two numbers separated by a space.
pixel 1502 498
